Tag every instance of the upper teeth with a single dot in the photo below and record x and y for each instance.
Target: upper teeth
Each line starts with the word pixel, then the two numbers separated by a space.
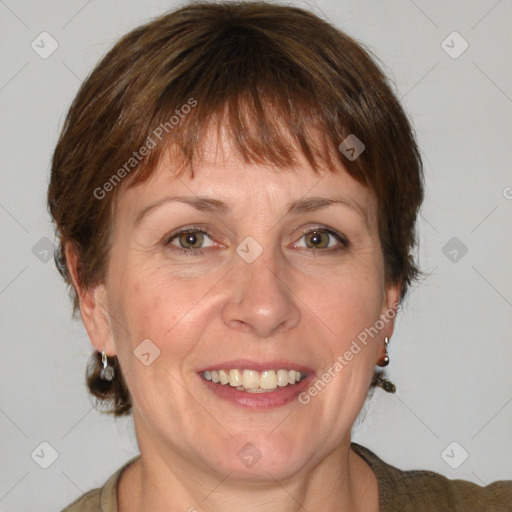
pixel 251 380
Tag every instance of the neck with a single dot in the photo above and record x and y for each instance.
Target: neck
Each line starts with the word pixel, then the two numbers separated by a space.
pixel 341 482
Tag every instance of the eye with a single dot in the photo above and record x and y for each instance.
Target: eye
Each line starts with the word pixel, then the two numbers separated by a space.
pixel 322 238
pixel 189 240
pixel 192 240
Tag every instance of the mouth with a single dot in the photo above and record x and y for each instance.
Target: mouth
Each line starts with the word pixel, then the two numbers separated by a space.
pixel 257 385
pixel 253 381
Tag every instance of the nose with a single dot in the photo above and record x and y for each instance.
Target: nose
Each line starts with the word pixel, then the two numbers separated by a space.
pixel 261 300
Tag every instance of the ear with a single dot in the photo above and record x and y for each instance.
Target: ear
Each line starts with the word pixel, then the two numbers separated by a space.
pixel 390 307
pixel 93 306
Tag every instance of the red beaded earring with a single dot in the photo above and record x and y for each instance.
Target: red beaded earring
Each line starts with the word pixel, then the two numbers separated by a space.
pixel 384 361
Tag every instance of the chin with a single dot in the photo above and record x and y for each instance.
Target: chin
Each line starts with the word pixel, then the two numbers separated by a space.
pixel 262 457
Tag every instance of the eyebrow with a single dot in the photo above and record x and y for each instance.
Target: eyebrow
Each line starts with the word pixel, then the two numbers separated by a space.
pixel 208 204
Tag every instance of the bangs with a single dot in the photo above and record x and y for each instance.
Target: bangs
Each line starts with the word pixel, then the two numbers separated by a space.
pixel 256 133
pixel 260 100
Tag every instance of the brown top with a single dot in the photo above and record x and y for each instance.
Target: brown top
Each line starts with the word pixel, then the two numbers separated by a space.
pixel 399 491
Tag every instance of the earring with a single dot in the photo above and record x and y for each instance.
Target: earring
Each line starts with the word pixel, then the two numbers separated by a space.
pixel 107 372
pixel 384 361
pixel 385 384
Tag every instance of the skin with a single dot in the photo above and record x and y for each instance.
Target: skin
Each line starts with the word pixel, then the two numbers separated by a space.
pixel 292 302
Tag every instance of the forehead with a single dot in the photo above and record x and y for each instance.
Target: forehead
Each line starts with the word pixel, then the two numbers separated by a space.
pixel 222 174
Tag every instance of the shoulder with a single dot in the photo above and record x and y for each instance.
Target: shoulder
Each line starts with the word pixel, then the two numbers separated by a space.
pixel 102 499
pixel 429 491
pixel 88 502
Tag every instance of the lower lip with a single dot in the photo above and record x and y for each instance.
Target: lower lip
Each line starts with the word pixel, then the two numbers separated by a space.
pixel 258 401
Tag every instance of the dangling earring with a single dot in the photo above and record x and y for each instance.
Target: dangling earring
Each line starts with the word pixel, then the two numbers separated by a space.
pixel 385 384
pixel 384 361
pixel 107 372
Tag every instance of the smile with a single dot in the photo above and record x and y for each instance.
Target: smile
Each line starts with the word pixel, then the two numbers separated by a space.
pixel 254 381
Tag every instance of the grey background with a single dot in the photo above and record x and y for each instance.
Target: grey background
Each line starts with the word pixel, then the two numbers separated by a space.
pixel 452 350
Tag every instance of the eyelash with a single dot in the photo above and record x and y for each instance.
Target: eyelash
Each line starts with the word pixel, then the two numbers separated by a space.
pixel 198 252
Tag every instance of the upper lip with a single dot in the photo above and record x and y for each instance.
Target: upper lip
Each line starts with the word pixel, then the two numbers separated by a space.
pixel 257 365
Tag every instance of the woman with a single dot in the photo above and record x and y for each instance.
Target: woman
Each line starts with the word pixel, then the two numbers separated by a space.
pixel 236 224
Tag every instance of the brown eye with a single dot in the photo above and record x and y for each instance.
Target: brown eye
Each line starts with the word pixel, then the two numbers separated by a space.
pixel 317 239
pixel 325 240
pixel 191 240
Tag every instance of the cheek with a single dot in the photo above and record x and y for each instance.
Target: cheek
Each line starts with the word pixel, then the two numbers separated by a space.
pixel 153 304
pixel 350 302
pixel 153 332
pixel 347 308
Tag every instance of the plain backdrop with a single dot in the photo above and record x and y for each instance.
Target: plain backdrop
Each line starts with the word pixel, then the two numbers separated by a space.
pixel 452 349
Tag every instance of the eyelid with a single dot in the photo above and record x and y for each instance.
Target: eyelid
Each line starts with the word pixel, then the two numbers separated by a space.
pixel 320 227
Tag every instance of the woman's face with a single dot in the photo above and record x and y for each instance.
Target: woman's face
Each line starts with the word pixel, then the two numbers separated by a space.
pixel 280 270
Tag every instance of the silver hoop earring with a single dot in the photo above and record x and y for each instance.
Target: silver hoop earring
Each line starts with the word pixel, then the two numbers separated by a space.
pixel 107 372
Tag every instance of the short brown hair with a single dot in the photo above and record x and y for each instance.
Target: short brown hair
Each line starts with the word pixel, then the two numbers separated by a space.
pixel 274 75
